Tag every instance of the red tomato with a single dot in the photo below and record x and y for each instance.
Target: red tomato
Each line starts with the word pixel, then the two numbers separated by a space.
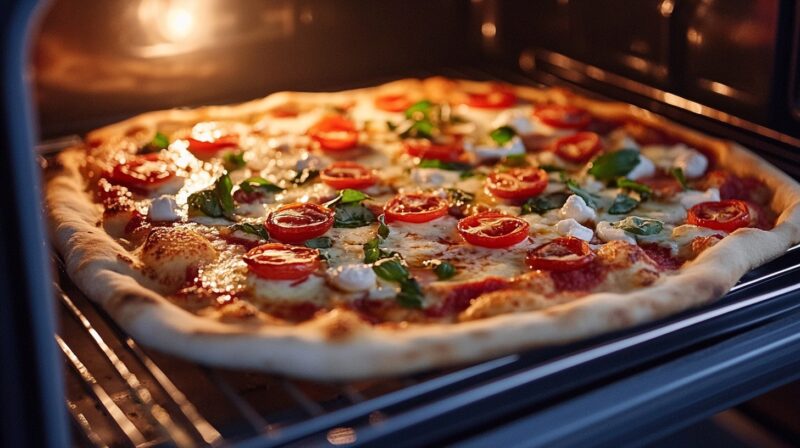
pixel 563 117
pixel 561 254
pixel 296 223
pixel 341 175
pixel 663 187
pixel 276 261
pixel 492 229
pixel 334 133
pixel 517 183
pixel 425 149
pixel 578 148
pixel 727 215
pixel 393 102
pixel 496 99
pixel 415 208
pixel 209 148
pixel 146 172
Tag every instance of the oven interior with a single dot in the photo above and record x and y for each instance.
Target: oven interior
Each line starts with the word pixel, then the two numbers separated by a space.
pixel 728 70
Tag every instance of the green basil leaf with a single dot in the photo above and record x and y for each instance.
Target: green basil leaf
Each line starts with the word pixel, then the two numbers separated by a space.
pixel 467 174
pixel 614 164
pixel 253 229
pixel 677 173
pixel 322 242
pixel 447 166
pixel 410 295
pixel 419 129
pixel 542 204
pixel 352 215
pixel 254 183
pixel 444 270
pixel 383 229
pixel 233 161
pixel 640 226
pixel 205 203
pixel 644 190
pixel 503 135
pixel 349 196
pixel 552 168
pixel 515 160
pixel 459 198
pixel 390 269
pixel 223 189
pixel 622 204
pixel 419 110
pixel 589 198
pixel 159 142
pixel 304 176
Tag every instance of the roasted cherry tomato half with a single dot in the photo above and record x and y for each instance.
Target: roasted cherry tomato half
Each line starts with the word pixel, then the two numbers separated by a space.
pixel 727 215
pixel 392 102
pixel 425 149
pixel 495 99
pixel 276 261
pixel 563 117
pixel 578 148
pixel 517 183
pixel 415 208
pixel 341 175
pixel 209 148
pixel 296 223
pixel 147 172
pixel 493 230
pixel 334 133
pixel 561 254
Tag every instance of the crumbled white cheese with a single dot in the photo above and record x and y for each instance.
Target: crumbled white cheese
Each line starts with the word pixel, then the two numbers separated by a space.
pixel 692 162
pixel 684 234
pixel 592 185
pixel 164 208
pixel 308 161
pixel 353 277
pixel 489 151
pixel 433 177
pixel 570 227
pixel 645 168
pixel 575 208
pixel 692 197
pixel 519 119
pixel 311 289
pixel 607 232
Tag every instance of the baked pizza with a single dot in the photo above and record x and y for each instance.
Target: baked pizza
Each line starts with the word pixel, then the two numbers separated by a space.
pixel 407 226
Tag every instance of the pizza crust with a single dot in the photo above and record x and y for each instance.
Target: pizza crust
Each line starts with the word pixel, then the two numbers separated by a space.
pixel 339 345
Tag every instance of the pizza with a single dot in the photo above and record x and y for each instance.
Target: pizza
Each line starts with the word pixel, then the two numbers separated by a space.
pixel 412 225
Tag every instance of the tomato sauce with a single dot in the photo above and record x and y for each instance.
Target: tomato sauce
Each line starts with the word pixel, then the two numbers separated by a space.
pixel 462 295
pixel 583 279
pixel 662 256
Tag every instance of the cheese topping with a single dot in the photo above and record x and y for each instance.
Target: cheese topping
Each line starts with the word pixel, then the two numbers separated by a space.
pixel 164 208
pixel 570 227
pixel 645 168
pixel 488 151
pixel 691 198
pixel 353 277
pixel 607 232
pixel 576 208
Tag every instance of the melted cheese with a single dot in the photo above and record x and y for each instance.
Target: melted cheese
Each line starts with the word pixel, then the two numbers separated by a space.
pixel 311 289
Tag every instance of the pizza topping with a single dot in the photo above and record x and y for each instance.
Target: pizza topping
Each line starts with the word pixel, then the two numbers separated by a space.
pixel 415 208
pixel 159 142
pixel 692 163
pixel 542 204
pixel 517 119
pixel 296 223
pixel 570 227
pixel 206 147
pixel 216 202
pixel 255 188
pixel 645 168
pixel 608 232
pixel 493 230
pixel 611 165
pixel 727 215
pixel 341 175
pixel 443 270
pixel 144 173
pixel 392 102
pixel 246 234
pixel 504 143
pixel 563 117
pixel 275 261
pixel 164 208
pixel 334 133
pixel 349 212
pixel 425 149
pixel 517 183
pixel 575 207
pixel 561 254
pixel 353 277
pixel 498 98
pixel 691 198
pixel 433 177
pixel 578 148
pixel 622 204
pixel 640 226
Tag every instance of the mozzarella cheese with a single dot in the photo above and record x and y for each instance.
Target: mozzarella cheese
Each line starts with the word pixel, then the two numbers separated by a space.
pixel 311 289
pixel 607 232
pixel 353 277
pixel 488 151
pixel 164 208
pixel 692 162
pixel 432 177
pixel 570 227
pixel 684 234
pixel 519 119
pixel 576 208
pixel 645 168
pixel 691 198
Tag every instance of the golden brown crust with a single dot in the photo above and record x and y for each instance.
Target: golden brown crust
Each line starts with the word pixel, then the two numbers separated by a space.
pixel 338 345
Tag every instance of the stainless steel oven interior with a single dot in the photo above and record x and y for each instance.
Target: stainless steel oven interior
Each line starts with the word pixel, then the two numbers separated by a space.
pixel 729 70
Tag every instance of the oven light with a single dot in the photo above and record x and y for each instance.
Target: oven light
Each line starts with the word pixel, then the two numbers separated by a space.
pixel 170 21
pixel 178 24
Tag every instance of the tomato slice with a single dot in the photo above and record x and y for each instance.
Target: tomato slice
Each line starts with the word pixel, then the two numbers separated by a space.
pixel 393 102
pixel 296 223
pixel 517 183
pixel 562 116
pixel 425 149
pixel 209 148
pixel 561 254
pixel 276 261
pixel 415 208
pixel 495 99
pixel 334 133
pixel 146 172
pixel 341 175
pixel 493 230
pixel 727 215
pixel 578 148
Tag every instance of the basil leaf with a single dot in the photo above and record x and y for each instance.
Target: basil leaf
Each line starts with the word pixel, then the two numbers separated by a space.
pixel 352 215
pixel 459 198
pixel 644 190
pixel 503 135
pixel 410 295
pixel 223 189
pixel 304 176
pixel 677 173
pixel 205 203
pixel 589 198
pixel 515 160
pixel 322 242
pixel 349 196
pixel 383 229
pixel 253 229
pixel 551 168
pixel 159 142
pixel 233 161
pixel 466 174
pixel 254 183
pixel 419 110
pixel 418 129
pixel 444 270
pixel 623 204
pixel 614 164
pixel 640 226
pixel 391 269
pixel 447 166
pixel 542 204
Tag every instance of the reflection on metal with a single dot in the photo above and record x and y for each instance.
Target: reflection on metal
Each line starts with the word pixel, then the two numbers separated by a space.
pixel 489 30
pixel 666 8
pixel 694 37
pixel 341 436
pixel 726 90
pixel 576 71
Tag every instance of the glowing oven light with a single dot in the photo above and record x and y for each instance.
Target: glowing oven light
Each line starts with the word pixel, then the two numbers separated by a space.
pixel 178 24
pixel 170 20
